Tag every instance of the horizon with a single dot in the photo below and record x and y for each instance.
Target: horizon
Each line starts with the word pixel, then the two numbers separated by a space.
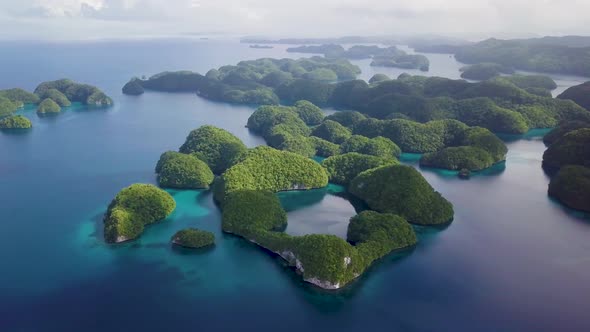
pixel 130 19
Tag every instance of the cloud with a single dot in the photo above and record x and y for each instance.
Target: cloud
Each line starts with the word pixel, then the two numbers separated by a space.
pixel 296 18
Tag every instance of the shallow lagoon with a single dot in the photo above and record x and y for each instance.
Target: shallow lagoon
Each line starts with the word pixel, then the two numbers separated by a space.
pixel 513 260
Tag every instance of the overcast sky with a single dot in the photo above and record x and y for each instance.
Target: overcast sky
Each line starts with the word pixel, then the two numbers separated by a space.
pixel 89 19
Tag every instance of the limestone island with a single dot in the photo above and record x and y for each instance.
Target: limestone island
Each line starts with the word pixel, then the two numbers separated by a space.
pixel 246 194
pixel 133 208
pixel 15 122
pixel 183 171
pixel 579 94
pixel 571 149
pixel 484 71
pixel 193 238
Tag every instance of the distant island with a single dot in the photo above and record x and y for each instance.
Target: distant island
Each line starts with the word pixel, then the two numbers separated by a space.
pixel 503 104
pixel 382 57
pixel 51 96
pixel 563 55
pixel 261 46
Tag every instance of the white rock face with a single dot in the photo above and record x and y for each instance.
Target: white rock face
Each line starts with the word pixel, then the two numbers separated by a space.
pixel 347 261
pixel 121 238
pixel 322 283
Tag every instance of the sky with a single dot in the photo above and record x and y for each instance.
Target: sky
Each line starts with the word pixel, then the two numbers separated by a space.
pixel 469 19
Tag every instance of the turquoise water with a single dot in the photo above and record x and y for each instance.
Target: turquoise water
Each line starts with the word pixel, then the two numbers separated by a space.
pixel 512 260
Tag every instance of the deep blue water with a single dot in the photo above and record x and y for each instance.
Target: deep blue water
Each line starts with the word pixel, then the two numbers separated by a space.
pixel 512 260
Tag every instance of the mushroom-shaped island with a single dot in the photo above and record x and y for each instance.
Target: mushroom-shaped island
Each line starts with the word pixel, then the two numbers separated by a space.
pixel 133 208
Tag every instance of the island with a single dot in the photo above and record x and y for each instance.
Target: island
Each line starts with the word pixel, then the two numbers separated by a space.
pixel 571 186
pixel 571 149
pixel 506 105
pixel 484 71
pixel 342 169
pixel 7 106
pixel 15 122
pixel 382 56
pixel 580 94
pixel 402 190
pixel 551 55
pixel 183 171
pixel 134 208
pixel 48 106
pixel 193 238
pixel 261 46
pixel 218 148
pixel 133 88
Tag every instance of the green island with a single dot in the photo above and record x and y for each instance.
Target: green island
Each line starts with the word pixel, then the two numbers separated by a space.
pixel 382 56
pixel 218 148
pixel 567 161
pixel 549 54
pixel 48 106
pixel 183 171
pixel 580 94
pixel 193 238
pixel 51 96
pixel 571 186
pixel 505 104
pixel 402 190
pixel 133 208
pixel 484 71
pixel 15 122
pixel 249 180
pixel 573 148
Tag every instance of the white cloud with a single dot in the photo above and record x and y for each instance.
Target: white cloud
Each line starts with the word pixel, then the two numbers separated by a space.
pixel 80 18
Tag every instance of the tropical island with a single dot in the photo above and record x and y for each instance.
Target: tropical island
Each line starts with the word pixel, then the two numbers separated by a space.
pixel 580 94
pixel 261 46
pixel 567 161
pixel 382 56
pixel 564 55
pixel 248 182
pixel 484 71
pixel 51 96
pixel 193 238
pixel 134 208
pixel 507 104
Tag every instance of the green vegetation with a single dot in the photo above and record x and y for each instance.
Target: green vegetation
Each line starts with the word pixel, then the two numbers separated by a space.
pixel 7 107
pixel 324 260
pixel 580 94
pixel 133 208
pixel 571 186
pixel 407 61
pixel 193 238
pixel 572 149
pixel 15 122
pixel 484 71
pixel 20 96
pixel 258 82
pixel 528 54
pixel 218 148
pixel 379 234
pixel 457 158
pixel 248 212
pixel 48 106
pixel 324 148
pixel 267 169
pixel 133 88
pixel 379 78
pixel 309 113
pixel 183 171
pixel 531 81
pixel 563 129
pixel 74 92
pixel 348 119
pixel 377 146
pixel 403 191
pixel 55 95
pixel 342 169
pixel 332 131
